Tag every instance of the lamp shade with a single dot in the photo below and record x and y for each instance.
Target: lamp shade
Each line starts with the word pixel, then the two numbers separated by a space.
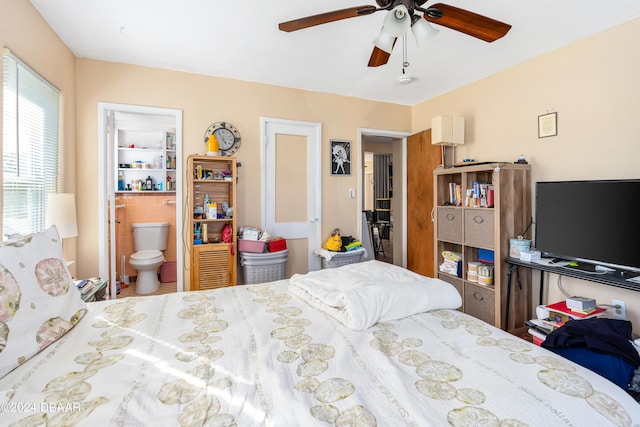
pixel 384 41
pixel 61 212
pixel 397 22
pixel 447 130
pixel 422 30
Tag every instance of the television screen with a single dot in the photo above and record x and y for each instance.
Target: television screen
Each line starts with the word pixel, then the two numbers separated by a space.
pixel 591 221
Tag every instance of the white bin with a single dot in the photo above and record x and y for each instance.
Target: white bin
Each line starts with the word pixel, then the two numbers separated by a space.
pixel 263 267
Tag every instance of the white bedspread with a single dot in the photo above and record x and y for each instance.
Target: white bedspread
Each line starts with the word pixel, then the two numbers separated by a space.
pixel 362 294
pixel 257 356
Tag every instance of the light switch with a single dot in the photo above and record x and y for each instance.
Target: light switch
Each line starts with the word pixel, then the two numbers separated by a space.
pixel 352 193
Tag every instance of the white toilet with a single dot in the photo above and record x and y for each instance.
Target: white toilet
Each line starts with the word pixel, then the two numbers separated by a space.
pixel 149 240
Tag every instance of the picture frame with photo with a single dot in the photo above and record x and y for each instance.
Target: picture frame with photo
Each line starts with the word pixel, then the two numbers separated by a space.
pixel 340 157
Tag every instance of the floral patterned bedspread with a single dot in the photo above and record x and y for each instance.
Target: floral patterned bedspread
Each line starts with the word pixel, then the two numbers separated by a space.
pixel 256 356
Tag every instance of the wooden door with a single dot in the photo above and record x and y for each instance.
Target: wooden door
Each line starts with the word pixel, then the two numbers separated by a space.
pixel 422 159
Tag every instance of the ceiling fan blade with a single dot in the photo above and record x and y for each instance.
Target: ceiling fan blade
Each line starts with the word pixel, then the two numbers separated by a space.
pixel 467 22
pixel 323 18
pixel 378 57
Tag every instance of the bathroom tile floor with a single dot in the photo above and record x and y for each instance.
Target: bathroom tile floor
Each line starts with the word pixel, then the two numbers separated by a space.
pixel 130 290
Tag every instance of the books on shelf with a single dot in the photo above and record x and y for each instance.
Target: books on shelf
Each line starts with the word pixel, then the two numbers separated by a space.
pixel 481 194
pixel 455 194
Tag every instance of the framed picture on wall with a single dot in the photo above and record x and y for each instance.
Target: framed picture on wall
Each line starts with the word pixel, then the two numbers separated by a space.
pixel 547 125
pixel 340 157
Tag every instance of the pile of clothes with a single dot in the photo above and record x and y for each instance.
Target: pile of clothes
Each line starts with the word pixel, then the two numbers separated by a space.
pixel 602 345
pixel 338 243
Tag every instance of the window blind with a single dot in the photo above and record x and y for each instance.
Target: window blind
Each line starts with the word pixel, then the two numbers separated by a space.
pixel 31 141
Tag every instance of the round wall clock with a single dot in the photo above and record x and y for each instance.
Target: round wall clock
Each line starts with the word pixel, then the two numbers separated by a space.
pixel 227 135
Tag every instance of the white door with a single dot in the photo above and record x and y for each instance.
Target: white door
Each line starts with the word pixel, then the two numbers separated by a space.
pixel 292 188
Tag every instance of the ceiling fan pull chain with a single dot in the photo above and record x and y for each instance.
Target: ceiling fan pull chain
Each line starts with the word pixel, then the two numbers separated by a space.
pixel 405 62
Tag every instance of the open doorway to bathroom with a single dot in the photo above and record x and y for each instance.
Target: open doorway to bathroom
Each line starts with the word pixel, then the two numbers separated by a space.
pixel 140 184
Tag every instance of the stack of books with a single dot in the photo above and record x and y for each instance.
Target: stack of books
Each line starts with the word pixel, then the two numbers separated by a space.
pixel 84 285
pixel 559 314
pixel 455 194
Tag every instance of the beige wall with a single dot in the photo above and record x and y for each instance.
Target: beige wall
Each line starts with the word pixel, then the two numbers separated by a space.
pixel 592 84
pixel 29 37
pixel 594 87
pixel 205 100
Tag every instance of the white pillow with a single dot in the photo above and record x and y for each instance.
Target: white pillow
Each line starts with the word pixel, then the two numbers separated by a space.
pixel 39 301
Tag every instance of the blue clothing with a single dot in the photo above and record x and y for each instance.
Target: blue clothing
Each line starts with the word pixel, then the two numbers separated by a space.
pixel 602 345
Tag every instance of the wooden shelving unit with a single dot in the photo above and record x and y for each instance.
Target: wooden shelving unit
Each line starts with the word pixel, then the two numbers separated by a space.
pixel 468 229
pixel 213 264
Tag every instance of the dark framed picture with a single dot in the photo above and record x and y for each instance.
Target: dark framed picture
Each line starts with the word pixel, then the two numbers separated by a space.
pixel 547 125
pixel 340 157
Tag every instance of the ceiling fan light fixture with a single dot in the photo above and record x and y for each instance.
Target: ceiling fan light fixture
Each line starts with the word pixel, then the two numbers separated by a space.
pixel 397 22
pixel 422 30
pixel 384 41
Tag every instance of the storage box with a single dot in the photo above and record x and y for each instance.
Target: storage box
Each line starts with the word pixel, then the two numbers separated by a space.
pixel 168 272
pixel 277 244
pixel 265 267
pixel 254 246
pixel 486 255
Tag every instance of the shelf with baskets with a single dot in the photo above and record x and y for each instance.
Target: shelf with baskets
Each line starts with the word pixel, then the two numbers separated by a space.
pixel 478 209
pixel 213 239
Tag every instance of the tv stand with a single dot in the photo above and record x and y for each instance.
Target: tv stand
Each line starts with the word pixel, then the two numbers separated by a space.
pixel 618 278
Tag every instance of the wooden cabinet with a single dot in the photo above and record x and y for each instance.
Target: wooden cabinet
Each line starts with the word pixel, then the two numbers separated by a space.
pixel 475 226
pixel 213 260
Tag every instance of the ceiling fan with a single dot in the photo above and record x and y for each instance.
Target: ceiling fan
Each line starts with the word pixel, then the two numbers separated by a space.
pixel 402 17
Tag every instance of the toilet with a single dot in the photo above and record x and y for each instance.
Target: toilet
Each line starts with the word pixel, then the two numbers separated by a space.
pixel 149 240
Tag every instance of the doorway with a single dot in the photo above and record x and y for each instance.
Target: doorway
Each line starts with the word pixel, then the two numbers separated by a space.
pixel 139 180
pixel 389 148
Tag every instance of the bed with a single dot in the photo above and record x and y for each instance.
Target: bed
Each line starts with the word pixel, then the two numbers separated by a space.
pixel 271 355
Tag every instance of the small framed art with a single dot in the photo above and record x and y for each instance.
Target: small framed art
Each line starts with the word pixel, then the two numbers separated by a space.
pixel 340 157
pixel 547 125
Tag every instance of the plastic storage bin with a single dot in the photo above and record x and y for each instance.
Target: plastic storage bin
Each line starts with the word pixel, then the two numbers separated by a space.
pixel 254 246
pixel 168 272
pixel 343 258
pixel 263 267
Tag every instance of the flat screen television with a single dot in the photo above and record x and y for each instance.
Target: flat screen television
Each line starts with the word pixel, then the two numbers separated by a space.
pixel 597 222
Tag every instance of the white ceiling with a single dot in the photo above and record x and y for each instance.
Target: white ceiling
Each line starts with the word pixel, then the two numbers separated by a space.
pixel 240 40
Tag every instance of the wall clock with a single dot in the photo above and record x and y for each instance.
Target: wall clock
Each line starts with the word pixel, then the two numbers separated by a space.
pixel 227 135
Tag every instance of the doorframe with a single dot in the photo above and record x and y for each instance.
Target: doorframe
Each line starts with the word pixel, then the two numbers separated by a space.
pixel 106 192
pixel 315 128
pixel 392 134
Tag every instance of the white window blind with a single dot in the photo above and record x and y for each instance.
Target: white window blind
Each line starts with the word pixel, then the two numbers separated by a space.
pixel 31 136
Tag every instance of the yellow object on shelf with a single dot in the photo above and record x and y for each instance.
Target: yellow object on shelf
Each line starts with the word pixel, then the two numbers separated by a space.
pixel 212 145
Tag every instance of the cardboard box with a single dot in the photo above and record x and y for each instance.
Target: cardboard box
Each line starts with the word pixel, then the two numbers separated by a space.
pixel 254 246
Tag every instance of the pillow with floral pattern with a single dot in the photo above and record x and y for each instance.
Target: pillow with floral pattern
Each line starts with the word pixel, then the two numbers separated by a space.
pixel 39 301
